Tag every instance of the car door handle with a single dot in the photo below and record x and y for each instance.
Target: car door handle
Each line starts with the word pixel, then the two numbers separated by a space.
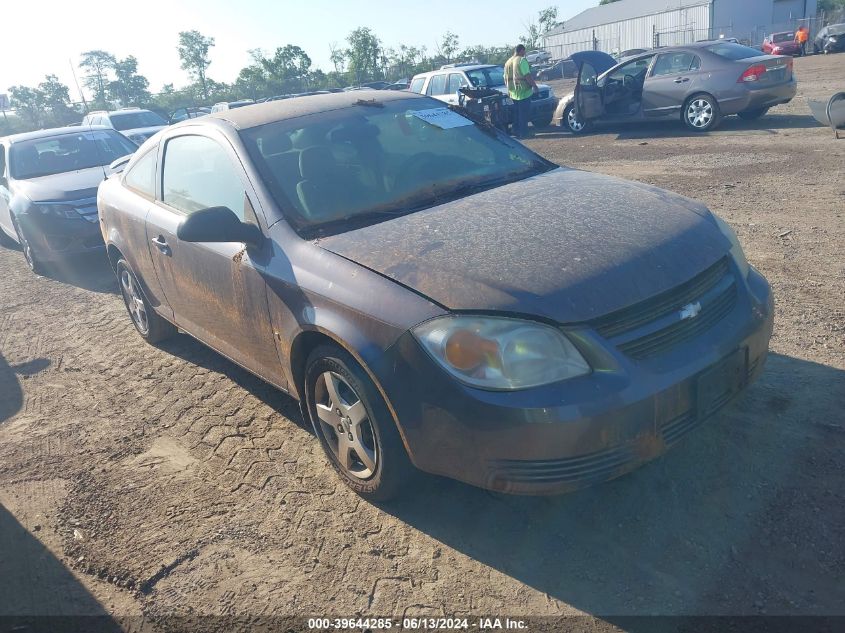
pixel 161 244
pixel 681 80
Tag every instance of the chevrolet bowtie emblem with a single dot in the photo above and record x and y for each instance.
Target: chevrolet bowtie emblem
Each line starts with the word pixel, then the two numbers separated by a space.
pixel 690 311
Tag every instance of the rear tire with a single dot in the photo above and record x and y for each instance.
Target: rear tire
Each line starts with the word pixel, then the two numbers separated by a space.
pixel 753 115
pixel 570 121
pixel 701 113
pixel 152 327
pixel 354 426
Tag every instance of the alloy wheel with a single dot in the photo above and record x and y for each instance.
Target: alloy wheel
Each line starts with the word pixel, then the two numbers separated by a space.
pixel 346 426
pixel 573 122
pixel 700 113
pixel 134 301
pixel 25 247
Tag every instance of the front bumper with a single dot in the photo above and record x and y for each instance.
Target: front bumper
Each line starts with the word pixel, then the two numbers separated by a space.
pixel 558 438
pixel 542 110
pixel 53 238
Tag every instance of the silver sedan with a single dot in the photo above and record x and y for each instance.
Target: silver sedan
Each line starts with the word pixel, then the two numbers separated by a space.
pixel 700 83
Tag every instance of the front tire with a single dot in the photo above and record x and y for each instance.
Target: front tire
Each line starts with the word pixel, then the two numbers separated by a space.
pixel 701 113
pixel 753 115
pixel 354 426
pixel 6 241
pixel 35 264
pixel 572 123
pixel 152 327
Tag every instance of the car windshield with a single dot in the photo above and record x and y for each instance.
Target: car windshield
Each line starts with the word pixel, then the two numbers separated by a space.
pixel 132 120
pixel 68 152
pixel 335 171
pixel 487 77
pixel 777 38
pixel 733 51
pixel 836 29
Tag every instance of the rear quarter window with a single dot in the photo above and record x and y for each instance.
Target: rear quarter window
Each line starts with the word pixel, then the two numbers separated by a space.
pixel 141 176
pixel 417 85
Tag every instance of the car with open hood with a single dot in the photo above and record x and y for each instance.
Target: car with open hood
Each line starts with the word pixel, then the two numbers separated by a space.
pixel 699 83
pixel 48 189
pixel 434 294
pixel 445 83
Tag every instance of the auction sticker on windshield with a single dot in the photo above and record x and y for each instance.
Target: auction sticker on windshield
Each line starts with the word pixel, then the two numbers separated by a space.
pixel 443 118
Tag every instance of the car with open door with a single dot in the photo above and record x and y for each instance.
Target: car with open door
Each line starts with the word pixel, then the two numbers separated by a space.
pixel 436 295
pixel 700 83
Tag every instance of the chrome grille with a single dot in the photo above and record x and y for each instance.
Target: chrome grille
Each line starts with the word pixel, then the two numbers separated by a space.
pixel 653 326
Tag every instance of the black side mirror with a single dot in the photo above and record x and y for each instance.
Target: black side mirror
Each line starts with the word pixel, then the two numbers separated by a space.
pixel 218 224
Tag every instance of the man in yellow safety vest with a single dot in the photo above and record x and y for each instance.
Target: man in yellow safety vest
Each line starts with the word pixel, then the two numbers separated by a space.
pixel 521 87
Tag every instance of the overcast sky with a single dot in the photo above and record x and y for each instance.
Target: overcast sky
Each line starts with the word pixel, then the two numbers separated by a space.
pixel 45 36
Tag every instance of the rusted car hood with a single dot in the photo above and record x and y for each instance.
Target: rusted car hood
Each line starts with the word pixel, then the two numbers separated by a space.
pixel 567 245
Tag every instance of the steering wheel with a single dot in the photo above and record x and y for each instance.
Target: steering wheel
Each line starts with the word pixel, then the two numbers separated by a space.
pixel 411 168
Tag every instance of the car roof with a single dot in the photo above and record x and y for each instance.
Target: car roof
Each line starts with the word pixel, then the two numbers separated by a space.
pixel 272 111
pixel 451 69
pixel 56 131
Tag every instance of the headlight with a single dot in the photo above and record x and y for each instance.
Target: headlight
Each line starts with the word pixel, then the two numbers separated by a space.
pixel 500 353
pixel 57 210
pixel 736 247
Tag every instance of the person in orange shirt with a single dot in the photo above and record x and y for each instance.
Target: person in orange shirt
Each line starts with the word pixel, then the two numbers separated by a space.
pixel 801 36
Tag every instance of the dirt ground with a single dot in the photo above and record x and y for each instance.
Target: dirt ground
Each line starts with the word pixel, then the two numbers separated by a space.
pixel 141 482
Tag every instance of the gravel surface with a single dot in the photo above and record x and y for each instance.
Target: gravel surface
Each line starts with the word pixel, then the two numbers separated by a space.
pixel 148 482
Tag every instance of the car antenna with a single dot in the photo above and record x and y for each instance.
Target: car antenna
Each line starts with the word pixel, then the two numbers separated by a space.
pixel 372 103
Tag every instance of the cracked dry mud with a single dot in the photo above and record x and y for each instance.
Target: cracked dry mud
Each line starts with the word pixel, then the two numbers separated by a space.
pixel 145 482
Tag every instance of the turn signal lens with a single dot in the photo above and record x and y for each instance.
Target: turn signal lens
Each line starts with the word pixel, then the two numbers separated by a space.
pixel 466 350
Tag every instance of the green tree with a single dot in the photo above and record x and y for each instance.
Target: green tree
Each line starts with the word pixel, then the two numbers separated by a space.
pixel 547 19
pixel 29 103
pixel 96 65
pixel 56 101
pixel 290 67
pixel 193 51
pixel 129 87
pixel 364 55
pixel 448 46
pixel 831 5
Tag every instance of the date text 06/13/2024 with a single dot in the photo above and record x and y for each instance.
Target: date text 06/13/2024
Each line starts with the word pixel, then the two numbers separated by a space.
pixel 429 624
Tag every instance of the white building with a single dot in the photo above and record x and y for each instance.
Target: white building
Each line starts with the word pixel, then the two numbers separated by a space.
pixel 629 24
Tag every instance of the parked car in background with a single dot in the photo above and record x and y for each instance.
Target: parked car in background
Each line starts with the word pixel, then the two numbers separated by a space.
pixel 134 123
pixel 831 39
pixel 631 52
pixel 48 188
pixel 434 293
pixel 700 83
pixel 399 85
pixel 183 114
pixel 231 105
pixel 371 85
pixel 781 44
pixel 538 57
pixel 561 69
pixel 444 85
